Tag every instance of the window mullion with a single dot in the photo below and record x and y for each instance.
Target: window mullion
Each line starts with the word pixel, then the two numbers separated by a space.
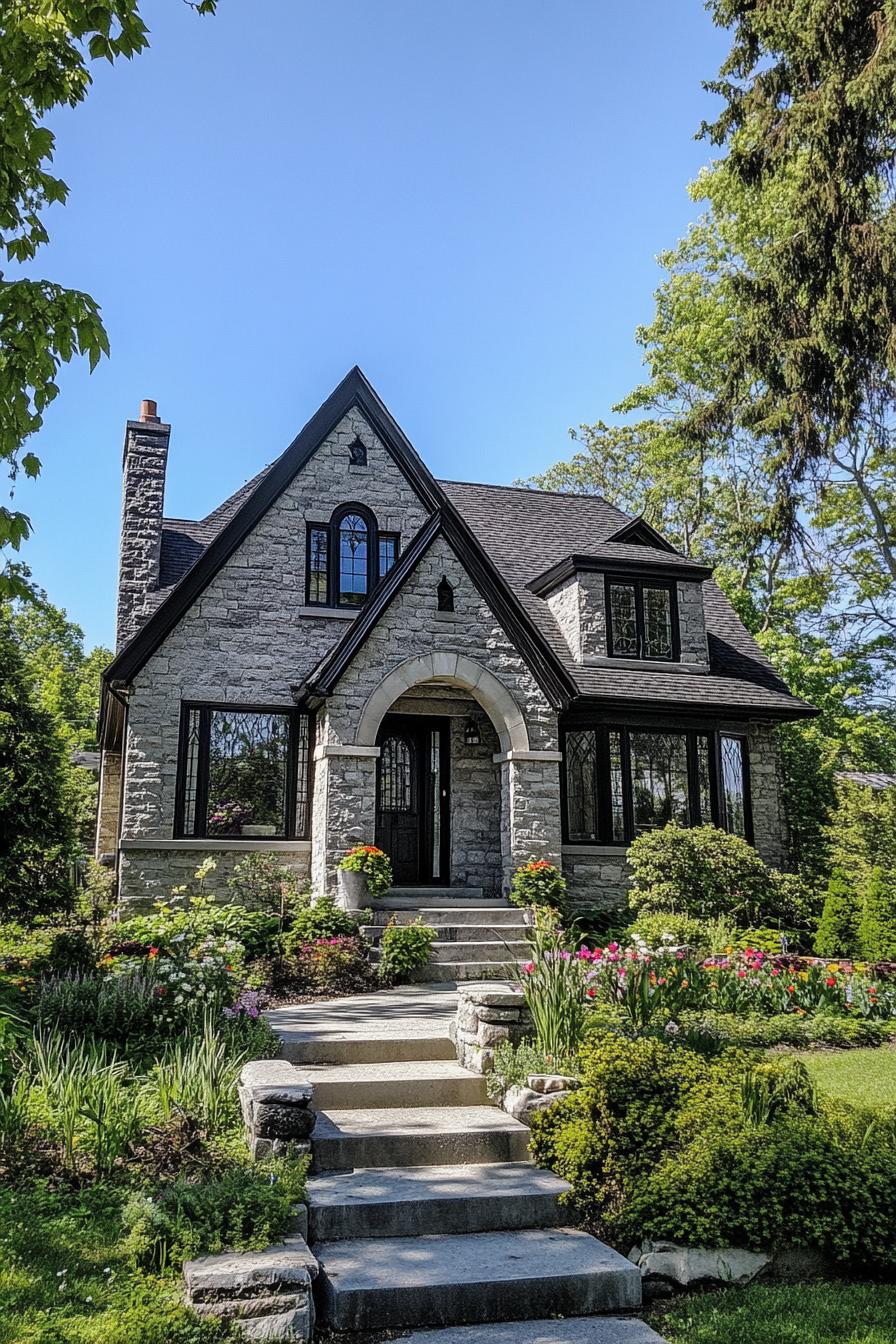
pixel 639 617
pixel 627 798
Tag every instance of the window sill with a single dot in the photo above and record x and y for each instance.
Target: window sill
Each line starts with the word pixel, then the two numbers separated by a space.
pixel 329 613
pixel 216 846
pixel 595 851
pixel 645 664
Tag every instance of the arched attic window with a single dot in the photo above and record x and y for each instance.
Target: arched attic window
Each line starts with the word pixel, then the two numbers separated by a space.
pixel 346 557
pixel 445 595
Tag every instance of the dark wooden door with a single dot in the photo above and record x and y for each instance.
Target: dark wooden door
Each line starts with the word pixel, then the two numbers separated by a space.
pixel 413 798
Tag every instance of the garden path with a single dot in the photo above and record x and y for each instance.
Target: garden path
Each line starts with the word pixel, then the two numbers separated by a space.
pixel 424 1210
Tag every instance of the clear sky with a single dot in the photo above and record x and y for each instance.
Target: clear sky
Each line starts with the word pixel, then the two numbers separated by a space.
pixel 465 198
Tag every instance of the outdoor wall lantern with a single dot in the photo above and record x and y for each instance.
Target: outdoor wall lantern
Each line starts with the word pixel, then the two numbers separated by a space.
pixel 471 733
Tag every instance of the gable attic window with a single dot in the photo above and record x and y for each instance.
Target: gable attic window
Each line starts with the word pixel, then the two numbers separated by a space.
pixel 357 454
pixel 642 619
pixel 243 773
pixel 619 782
pixel 346 557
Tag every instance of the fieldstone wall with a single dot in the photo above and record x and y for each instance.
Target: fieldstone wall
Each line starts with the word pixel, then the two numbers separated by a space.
pixel 692 624
pixel 769 822
pixel 486 1016
pixel 564 604
pixel 148 874
pixel 142 504
pixel 247 638
pixel 596 875
pixel 412 626
pixel 108 803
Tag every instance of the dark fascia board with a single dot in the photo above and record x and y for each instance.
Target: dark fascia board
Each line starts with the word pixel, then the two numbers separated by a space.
pixel 638 530
pixel 558 688
pixel 607 705
pixel 353 391
pixel 595 564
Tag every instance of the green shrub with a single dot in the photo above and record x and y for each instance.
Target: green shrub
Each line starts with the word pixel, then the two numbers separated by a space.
pixel 705 873
pixel 666 927
pixel 837 934
pixel 259 882
pixel 538 883
pixel 877 926
pixel 404 948
pixel 246 1208
pixel 513 1064
pixel 124 1010
pixel 657 1144
pixel 180 924
pixel 321 918
pixel 374 864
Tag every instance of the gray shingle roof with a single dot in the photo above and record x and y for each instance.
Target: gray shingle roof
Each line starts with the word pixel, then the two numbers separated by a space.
pixel 525 532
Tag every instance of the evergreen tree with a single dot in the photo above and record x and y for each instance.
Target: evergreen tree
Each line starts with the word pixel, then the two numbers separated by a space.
pixel 877 927
pixel 837 934
pixel 37 841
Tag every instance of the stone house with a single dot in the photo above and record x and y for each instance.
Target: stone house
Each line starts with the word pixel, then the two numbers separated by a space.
pixel 348 650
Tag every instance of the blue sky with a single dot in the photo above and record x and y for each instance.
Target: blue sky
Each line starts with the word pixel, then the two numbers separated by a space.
pixel 464 198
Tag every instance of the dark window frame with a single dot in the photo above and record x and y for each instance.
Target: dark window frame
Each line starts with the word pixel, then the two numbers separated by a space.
pixel 332 528
pixel 205 709
pixel 602 806
pixel 639 583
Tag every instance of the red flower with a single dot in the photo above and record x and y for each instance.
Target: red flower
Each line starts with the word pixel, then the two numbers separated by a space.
pixel 791 989
pixel 153 952
pixel 830 982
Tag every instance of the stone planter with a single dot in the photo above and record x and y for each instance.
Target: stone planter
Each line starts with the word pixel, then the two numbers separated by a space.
pixel 352 890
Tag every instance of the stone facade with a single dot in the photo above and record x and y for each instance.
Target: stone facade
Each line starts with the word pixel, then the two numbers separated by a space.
pixel 250 639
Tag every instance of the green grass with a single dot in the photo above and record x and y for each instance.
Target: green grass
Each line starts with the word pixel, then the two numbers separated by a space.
pixel 65 1277
pixel 824 1313
pixel 863 1077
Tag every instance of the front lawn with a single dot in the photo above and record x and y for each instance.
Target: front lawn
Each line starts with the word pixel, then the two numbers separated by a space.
pixel 823 1313
pixel 862 1077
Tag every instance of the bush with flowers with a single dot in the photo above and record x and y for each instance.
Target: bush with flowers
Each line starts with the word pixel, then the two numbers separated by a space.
pixel 374 864
pixel 337 965
pixel 539 884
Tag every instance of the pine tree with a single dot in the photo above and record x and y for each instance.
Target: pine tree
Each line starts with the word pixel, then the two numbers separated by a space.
pixel 36 829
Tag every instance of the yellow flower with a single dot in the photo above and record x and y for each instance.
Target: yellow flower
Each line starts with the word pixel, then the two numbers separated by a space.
pixel 803 975
pixel 728 951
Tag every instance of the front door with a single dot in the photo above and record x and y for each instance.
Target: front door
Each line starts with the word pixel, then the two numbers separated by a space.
pixel 412 798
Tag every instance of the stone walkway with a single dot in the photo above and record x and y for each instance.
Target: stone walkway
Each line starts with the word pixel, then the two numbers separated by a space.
pixel 424 1210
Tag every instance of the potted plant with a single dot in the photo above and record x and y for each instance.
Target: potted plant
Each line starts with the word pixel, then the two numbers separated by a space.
pixel 364 873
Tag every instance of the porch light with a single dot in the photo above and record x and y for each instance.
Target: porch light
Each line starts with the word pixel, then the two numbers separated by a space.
pixel 471 733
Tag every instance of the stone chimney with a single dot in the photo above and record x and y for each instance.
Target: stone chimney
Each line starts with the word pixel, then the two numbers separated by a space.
pixel 143 496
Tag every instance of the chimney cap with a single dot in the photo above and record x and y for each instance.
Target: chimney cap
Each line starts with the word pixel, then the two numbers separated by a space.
pixel 149 412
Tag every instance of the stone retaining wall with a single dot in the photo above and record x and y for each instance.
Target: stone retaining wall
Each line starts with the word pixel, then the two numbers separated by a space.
pixel 487 1014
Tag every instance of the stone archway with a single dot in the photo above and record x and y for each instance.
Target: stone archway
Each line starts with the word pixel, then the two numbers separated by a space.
pixel 455 669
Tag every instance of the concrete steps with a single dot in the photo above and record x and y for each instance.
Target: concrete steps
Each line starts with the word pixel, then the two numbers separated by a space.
pixel 572 1330
pixel 414 1083
pixel 450 972
pixel 442 1279
pixel 475 912
pixel 417 1137
pixel 417 1201
pixel 478 940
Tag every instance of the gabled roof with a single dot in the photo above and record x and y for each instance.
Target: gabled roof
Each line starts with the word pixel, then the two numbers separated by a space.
pixel 648 561
pixel 237 517
pixel 508 537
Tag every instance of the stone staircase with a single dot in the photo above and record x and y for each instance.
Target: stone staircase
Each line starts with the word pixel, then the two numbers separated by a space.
pixel 424 1210
pixel 477 937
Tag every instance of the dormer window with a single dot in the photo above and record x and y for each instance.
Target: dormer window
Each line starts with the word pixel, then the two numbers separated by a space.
pixel 642 619
pixel 346 558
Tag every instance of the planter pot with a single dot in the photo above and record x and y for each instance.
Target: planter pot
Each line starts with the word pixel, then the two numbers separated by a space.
pixel 352 890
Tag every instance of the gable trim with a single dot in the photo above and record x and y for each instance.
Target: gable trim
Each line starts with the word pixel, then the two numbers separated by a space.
pixel 593 564
pixel 353 392
pixel 558 689
pixel 639 531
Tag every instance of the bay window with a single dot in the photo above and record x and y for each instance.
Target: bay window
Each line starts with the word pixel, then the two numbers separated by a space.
pixel 622 781
pixel 243 772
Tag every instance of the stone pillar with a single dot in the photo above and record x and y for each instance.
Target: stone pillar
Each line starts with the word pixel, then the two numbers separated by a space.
pixel 108 805
pixel 530 809
pixel 143 495
pixel 344 811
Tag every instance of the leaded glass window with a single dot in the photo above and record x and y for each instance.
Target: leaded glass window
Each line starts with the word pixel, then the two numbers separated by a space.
pixel 659 775
pixel 581 784
pixel 624 620
pixel 642 619
pixel 396 775
pixel 704 785
pixel 657 622
pixel 617 790
pixel 353 560
pixel 318 565
pixel 733 785
pixel 243 773
pixel 388 552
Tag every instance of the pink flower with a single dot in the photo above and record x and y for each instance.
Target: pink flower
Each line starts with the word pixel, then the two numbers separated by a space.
pixel 741 975
pixel 529 967
pixel 613 947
